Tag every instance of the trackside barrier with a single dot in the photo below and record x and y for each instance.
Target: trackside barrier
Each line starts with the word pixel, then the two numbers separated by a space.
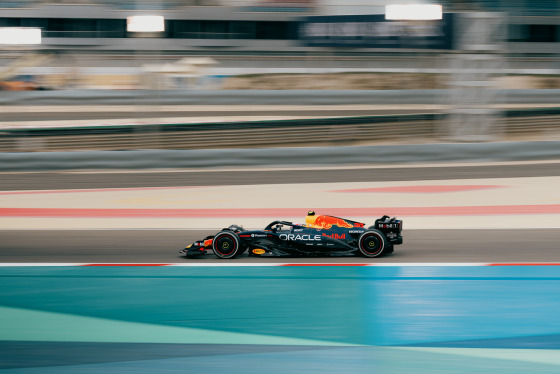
pixel 202 135
pixel 537 123
pixel 525 115
pixel 255 97
pixel 201 158
pixel 437 306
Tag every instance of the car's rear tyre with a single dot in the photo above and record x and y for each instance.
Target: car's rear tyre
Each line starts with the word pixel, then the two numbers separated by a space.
pixel 372 243
pixel 225 244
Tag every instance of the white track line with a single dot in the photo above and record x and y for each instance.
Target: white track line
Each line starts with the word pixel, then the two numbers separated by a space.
pixel 268 264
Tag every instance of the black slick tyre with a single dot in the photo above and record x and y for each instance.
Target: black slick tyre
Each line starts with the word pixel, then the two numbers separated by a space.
pixel 225 244
pixel 372 243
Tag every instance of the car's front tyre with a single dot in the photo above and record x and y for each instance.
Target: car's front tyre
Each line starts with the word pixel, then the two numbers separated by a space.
pixel 372 243
pixel 226 244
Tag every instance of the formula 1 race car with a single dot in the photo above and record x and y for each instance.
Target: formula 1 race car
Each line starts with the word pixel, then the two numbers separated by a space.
pixel 319 236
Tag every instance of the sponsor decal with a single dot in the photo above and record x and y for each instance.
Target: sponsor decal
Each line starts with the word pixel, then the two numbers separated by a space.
pixel 258 251
pixel 388 225
pixel 374 31
pixel 335 236
pixel 298 230
pixel 300 237
pixel 391 235
pixel 258 235
pixel 356 231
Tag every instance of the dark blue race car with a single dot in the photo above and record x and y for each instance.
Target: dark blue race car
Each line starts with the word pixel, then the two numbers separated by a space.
pixel 321 235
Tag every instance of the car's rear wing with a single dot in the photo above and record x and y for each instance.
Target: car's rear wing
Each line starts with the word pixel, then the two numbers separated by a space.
pixel 388 224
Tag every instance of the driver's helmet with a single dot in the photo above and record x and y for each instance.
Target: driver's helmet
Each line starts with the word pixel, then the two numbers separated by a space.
pixel 236 228
pixel 310 219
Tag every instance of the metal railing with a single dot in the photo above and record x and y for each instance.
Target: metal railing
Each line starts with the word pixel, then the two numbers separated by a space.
pixel 314 132
pixel 409 129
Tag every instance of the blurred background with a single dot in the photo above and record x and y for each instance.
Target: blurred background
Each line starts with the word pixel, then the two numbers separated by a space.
pixel 483 70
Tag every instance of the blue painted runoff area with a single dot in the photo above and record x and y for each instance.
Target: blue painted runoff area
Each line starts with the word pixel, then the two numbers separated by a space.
pixel 394 318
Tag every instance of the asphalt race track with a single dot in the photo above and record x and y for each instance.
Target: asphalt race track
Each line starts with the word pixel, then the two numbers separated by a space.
pixel 162 246
pixel 156 319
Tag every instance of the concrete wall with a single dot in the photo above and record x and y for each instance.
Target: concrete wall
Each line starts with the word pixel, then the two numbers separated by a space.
pixel 200 158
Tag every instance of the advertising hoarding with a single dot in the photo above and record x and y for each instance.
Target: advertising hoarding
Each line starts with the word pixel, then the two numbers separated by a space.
pixel 374 31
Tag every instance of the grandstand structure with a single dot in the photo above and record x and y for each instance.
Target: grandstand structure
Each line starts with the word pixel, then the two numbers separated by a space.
pixel 89 45
pixel 225 26
pixel 259 36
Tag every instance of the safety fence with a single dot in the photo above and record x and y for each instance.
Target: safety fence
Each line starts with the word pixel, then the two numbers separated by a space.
pixel 536 124
pixel 258 97
pixel 219 135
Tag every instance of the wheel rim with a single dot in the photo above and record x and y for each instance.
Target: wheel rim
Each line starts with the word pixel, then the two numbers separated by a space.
pixel 225 245
pixel 371 244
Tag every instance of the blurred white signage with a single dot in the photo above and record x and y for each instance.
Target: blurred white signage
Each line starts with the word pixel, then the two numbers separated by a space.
pixel 145 24
pixel 413 12
pixel 20 35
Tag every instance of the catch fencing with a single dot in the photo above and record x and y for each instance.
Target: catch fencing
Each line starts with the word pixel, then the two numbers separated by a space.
pixel 258 97
pixel 338 131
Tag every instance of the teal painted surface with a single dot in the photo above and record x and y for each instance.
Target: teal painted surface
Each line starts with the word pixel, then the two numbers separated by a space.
pixel 36 326
pixel 355 360
pixel 311 304
pixel 438 305
pixel 352 305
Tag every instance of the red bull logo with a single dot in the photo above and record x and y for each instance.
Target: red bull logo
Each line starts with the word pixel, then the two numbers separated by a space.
pixel 336 236
pixel 326 222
